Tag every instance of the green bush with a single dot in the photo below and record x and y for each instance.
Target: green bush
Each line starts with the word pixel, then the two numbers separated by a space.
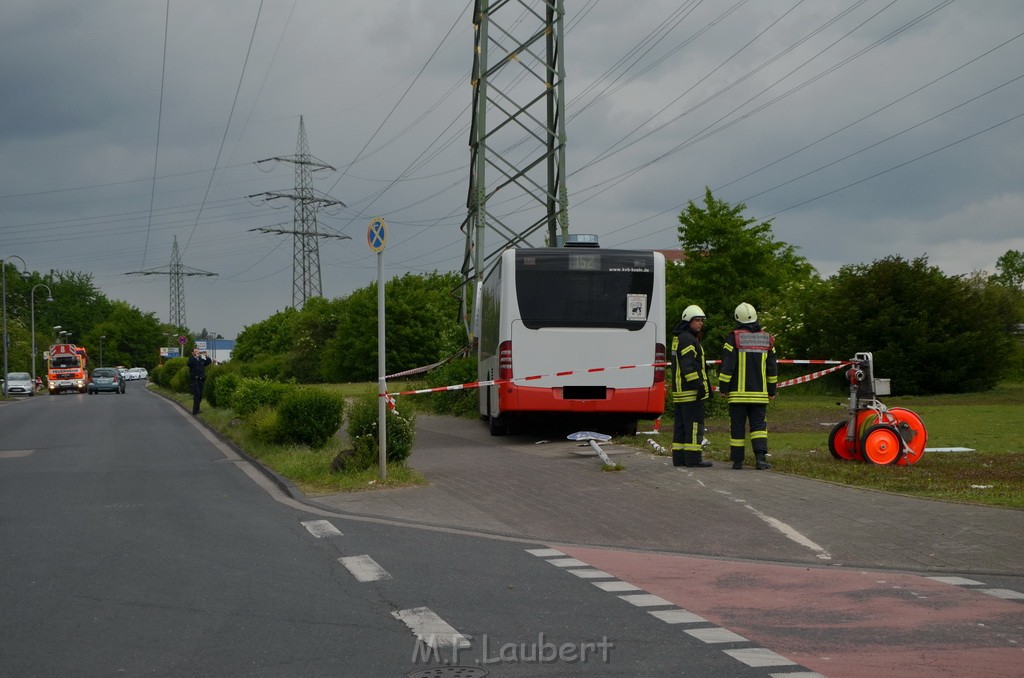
pixel 164 374
pixel 265 424
pixel 252 393
pixel 365 454
pixel 458 403
pixel 213 374
pixel 362 429
pixel 181 381
pixel 310 416
pixel 265 367
pixel 222 390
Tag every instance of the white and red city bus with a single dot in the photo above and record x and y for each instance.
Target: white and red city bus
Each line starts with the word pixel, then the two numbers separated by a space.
pixel 554 310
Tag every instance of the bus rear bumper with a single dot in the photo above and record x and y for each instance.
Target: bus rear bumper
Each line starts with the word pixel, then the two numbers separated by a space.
pixel 644 403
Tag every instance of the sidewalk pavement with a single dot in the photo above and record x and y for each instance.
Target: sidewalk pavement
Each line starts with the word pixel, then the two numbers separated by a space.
pixel 555 492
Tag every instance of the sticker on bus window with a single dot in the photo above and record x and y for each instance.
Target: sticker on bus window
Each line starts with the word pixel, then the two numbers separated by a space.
pixel 636 307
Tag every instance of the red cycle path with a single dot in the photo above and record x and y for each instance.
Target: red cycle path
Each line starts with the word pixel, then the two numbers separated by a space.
pixel 839 623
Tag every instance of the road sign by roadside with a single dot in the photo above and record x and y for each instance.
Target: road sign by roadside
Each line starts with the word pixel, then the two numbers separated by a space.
pixel 377 234
pixel 182 340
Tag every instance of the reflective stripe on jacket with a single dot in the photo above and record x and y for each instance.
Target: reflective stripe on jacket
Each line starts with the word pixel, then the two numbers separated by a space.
pixel 689 369
pixel 749 371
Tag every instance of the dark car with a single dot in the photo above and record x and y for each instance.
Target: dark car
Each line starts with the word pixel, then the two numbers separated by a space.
pixel 106 379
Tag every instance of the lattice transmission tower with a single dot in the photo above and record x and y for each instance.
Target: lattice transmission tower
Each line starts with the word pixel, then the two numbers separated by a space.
pixel 177 271
pixel 517 139
pixel 306 279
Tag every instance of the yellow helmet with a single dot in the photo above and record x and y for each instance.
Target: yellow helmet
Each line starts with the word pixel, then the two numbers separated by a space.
pixel 745 314
pixel 692 311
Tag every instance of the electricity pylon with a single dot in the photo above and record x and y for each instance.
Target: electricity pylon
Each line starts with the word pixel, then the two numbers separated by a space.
pixel 518 103
pixel 306 280
pixel 177 271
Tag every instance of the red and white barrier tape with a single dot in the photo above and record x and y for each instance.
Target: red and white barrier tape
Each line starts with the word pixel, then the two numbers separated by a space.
pixel 534 377
pixel 838 364
pixel 786 361
pixel 814 375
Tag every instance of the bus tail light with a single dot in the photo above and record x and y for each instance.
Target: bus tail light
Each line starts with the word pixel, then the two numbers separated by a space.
pixel 505 360
pixel 659 357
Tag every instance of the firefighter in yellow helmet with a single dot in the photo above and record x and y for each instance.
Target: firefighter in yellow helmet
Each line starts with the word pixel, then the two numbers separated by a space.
pixel 690 389
pixel 747 378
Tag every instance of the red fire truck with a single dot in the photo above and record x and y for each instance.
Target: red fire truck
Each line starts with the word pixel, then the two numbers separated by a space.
pixel 66 369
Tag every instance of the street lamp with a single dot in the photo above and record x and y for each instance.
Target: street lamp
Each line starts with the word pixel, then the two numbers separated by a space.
pixel 3 293
pixel 32 297
pixel 101 349
pixel 56 331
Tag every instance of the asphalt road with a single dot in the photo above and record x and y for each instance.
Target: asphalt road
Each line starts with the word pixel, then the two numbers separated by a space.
pixel 135 542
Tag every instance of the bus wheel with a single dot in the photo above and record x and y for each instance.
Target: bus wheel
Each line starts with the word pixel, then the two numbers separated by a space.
pixel 497 425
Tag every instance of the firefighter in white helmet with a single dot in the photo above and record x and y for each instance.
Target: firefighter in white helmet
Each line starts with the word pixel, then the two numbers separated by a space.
pixel 690 389
pixel 747 378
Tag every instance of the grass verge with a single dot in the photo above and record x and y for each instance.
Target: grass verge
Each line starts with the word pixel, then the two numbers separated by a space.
pixel 989 423
pixel 307 468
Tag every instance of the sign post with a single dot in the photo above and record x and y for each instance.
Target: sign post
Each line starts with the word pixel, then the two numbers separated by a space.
pixel 377 239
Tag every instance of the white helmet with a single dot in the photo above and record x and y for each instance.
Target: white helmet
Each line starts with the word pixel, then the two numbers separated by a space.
pixel 692 311
pixel 745 314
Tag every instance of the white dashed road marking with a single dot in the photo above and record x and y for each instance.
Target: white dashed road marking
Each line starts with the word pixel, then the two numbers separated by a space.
pixel 646 600
pixel 321 528
pixel 678 616
pixel 567 562
pixel 431 629
pixel 957 581
pixel 1005 594
pixel 716 634
pixel 545 553
pixel 364 568
pixel 758 656
pixel 591 573
pixel 615 586
pixel 755 657
pixel 14 454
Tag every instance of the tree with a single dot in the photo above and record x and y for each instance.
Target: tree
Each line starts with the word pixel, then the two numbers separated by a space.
pixel 928 333
pixel 131 337
pixel 272 336
pixel 729 259
pixel 421 327
pixel 315 326
pixel 1010 267
pixel 80 308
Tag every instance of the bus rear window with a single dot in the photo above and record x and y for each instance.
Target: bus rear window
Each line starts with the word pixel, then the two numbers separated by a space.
pixel 584 288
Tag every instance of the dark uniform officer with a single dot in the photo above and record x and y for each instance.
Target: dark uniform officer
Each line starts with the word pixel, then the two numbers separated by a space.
pixel 690 389
pixel 747 378
pixel 197 376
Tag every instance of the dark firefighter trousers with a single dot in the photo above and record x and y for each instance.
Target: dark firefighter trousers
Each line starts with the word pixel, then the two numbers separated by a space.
pixel 688 433
pixel 739 415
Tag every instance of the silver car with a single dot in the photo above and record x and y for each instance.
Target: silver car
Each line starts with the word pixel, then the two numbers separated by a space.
pixel 19 384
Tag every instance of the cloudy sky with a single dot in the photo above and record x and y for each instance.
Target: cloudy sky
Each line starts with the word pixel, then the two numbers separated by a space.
pixel 861 128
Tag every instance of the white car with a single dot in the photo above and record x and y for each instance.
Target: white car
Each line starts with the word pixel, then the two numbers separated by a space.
pixel 136 373
pixel 19 384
